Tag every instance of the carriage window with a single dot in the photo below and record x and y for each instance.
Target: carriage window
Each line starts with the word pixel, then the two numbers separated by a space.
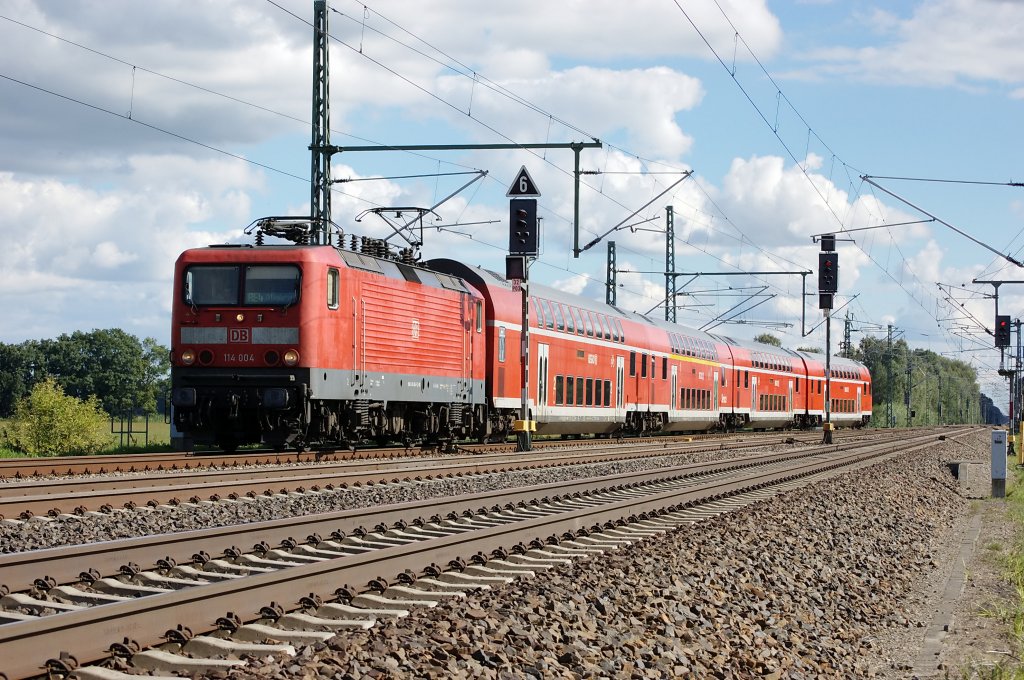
pixel 271 285
pixel 632 363
pixel 643 366
pixel 501 343
pixel 559 390
pixel 479 316
pixel 570 325
pixel 559 319
pixel 664 368
pixel 579 390
pixel 570 383
pixel 597 392
pixel 332 288
pixel 607 392
pixel 211 285
pixel 549 316
pixel 590 391
pixel 579 320
pixel 746 378
pixel 588 323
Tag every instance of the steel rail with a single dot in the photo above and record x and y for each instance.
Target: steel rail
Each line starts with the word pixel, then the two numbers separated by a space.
pixel 66 563
pixel 79 494
pixel 24 468
pixel 85 634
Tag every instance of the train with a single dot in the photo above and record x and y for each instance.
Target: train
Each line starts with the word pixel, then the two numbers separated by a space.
pixel 297 345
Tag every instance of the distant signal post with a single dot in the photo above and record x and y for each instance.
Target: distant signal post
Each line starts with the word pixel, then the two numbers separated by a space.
pixel 522 245
pixel 828 286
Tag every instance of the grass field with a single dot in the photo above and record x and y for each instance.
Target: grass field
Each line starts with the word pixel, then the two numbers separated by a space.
pixel 156 436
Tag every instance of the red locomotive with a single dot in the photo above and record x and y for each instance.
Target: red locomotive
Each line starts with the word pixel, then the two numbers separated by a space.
pixel 313 345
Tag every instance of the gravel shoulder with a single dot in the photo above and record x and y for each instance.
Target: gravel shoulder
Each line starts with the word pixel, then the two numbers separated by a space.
pixel 959 619
pixel 841 579
pixel 979 641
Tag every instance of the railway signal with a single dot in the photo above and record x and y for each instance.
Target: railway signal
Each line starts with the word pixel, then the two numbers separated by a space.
pixel 1003 330
pixel 522 237
pixel 828 272
pixel 522 245
pixel 828 286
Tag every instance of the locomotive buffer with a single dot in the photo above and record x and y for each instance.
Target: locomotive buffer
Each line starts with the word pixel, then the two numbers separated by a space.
pixel 522 245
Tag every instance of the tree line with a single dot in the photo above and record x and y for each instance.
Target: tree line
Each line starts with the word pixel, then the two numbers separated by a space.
pixel 930 388
pixel 124 374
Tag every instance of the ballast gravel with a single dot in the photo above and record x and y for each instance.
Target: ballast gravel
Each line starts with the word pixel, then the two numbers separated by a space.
pixel 804 585
pixel 51 532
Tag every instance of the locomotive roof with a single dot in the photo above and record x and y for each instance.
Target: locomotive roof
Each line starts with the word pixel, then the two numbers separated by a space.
pixel 402 270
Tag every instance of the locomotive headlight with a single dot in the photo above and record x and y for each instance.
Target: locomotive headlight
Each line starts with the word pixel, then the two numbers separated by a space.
pixel 291 357
pixel 188 357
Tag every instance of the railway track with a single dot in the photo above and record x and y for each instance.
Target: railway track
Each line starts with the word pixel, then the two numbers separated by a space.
pixel 84 493
pixel 416 554
pixel 65 466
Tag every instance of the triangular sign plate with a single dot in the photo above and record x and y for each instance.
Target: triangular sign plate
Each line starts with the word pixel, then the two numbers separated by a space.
pixel 523 185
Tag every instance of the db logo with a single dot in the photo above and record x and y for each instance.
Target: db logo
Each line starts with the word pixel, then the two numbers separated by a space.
pixel 238 335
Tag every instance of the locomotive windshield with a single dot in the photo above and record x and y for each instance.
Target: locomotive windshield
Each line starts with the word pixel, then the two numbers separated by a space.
pixel 232 285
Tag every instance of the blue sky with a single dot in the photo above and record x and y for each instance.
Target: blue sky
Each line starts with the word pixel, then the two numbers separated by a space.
pixel 135 130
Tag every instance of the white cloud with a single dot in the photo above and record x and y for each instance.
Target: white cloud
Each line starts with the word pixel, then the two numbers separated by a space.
pixel 108 256
pixel 942 43
pixel 77 252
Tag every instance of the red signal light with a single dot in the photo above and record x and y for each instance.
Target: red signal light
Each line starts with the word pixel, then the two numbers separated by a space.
pixel 1002 331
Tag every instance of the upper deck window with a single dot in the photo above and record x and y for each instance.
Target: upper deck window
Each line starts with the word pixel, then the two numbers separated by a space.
pixel 579 321
pixel 231 285
pixel 549 315
pixel 559 319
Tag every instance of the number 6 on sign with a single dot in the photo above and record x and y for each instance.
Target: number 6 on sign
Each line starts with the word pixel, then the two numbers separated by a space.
pixel 523 185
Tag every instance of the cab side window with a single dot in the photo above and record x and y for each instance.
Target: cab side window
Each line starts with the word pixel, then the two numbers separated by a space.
pixel 332 288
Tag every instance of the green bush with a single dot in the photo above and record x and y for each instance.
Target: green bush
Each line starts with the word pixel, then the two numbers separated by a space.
pixel 50 423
